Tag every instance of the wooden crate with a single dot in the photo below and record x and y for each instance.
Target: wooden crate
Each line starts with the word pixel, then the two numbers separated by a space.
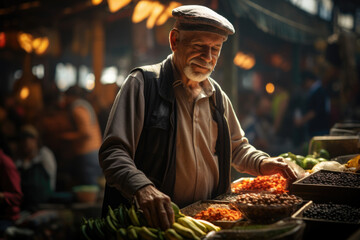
pixel 324 229
pixel 326 193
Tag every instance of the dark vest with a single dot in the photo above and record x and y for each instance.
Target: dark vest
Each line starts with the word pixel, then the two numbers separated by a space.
pixel 156 151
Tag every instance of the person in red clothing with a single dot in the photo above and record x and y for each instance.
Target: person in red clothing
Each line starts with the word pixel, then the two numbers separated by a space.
pixel 10 192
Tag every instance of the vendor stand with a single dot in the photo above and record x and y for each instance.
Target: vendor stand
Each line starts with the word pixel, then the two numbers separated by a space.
pixel 330 190
pixel 322 204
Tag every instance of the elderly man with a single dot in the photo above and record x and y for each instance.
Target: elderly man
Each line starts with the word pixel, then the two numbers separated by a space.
pixel 172 133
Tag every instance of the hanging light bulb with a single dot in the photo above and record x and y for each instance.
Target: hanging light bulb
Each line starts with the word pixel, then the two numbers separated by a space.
pixel 115 5
pixel 40 45
pixel 29 44
pixel 96 2
pixel 142 10
pixel 25 41
pixel 245 61
pixel 167 13
pixel 270 88
pixel 24 92
pixel 158 8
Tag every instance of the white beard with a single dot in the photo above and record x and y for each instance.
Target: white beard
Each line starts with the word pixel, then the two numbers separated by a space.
pixel 193 76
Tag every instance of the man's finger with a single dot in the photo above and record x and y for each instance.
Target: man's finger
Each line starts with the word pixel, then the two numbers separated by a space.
pixel 154 216
pixel 290 174
pixel 170 212
pixel 163 216
pixel 148 217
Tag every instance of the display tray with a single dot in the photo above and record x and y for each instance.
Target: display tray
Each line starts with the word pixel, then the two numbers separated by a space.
pixel 199 206
pixel 326 192
pixel 287 229
pixel 322 228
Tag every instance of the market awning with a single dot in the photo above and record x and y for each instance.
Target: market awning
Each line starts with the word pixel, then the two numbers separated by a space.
pixel 282 19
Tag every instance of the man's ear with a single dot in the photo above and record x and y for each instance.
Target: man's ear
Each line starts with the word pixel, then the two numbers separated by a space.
pixel 174 38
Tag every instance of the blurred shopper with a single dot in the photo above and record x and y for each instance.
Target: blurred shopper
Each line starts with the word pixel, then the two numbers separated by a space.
pixel 282 110
pixel 173 134
pixel 316 112
pixel 10 192
pixel 37 166
pixel 10 121
pixel 258 125
pixel 84 138
pixel 54 120
pixel 279 108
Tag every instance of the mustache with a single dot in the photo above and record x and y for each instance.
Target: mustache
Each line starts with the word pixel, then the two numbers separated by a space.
pixel 202 63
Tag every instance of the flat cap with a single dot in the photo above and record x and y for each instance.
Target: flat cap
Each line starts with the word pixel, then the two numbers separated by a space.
pixel 200 18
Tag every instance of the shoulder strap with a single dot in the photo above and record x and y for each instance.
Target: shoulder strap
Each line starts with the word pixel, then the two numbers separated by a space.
pixel 222 143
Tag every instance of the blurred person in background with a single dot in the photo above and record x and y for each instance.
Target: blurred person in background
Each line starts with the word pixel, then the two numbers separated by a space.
pixel 282 112
pixel 172 133
pixel 279 107
pixel 10 191
pixel 315 115
pixel 37 166
pixel 10 121
pixel 83 139
pixel 258 125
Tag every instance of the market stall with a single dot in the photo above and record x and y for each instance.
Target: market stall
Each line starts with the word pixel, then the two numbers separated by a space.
pixel 322 204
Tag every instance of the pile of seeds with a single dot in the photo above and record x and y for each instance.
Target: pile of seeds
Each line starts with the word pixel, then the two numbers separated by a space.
pixel 268 199
pixel 334 179
pixel 333 212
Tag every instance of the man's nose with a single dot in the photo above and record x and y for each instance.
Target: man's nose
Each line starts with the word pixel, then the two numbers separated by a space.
pixel 206 54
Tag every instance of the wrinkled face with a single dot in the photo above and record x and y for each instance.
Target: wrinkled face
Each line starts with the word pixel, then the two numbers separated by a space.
pixel 195 53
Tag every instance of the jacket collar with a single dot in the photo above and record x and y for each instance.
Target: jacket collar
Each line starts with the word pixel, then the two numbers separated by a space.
pixel 166 80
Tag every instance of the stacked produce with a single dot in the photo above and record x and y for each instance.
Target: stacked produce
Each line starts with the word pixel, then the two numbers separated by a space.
pixel 271 183
pixel 309 161
pixel 124 223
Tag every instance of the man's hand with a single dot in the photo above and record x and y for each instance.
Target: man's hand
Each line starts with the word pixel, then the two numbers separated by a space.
pixel 275 165
pixel 156 207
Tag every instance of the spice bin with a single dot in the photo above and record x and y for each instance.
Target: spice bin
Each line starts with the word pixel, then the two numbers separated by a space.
pixel 322 224
pixel 328 186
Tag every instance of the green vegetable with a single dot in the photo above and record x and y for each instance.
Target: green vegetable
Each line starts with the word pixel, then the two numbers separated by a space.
pixel 300 160
pixel 323 153
pixel 292 156
pixel 320 159
pixel 284 155
pixel 309 162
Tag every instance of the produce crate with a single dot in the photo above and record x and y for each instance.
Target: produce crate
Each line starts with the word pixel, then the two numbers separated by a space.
pixel 335 145
pixel 344 158
pixel 196 207
pixel 324 229
pixel 323 192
